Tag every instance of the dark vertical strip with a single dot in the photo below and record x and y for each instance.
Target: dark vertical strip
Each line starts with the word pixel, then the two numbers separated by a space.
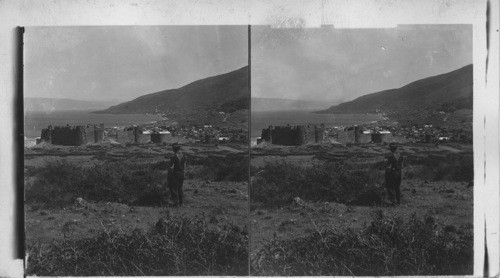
pixel 19 145
pixel 249 140
pixel 486 266
pixel 488 22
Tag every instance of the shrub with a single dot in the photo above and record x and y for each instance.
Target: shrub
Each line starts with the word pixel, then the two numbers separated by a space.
pixel 388 246
pixel 279 182
pixel 58 184
pixel 219 168
pixel 453 167
pixel 175 246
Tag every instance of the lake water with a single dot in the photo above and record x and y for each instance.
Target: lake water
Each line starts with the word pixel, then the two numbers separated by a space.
pixel 34 122
pixel 261 120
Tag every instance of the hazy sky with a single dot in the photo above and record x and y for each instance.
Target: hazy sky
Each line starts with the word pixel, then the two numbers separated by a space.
pixel 342 64
pixel 122 63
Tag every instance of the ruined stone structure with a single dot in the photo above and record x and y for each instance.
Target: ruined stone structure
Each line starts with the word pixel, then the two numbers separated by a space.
pixel 364 137
pixel 159 138
pixel 135 135
pixel 346 136
pixel 356 135
pixel 142 138
pixel 382 137
pixel 429 138
pixel 125 136
pixel 166 138
pixel 266 134
pixel 73 135
pixel 132 135
pixel 350 135
pixel 294 135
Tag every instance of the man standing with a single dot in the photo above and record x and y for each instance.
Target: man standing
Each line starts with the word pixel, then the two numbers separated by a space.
pixel 393 174
pixel 176 174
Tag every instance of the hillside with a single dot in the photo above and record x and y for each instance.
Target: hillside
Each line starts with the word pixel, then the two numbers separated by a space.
pixel 277 104
pixel 227 92
pixel 449 91
pixel 59 104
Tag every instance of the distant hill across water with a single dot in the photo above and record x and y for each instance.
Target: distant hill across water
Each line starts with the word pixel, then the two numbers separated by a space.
pixel 278 104
pixel 449 91
pixel 228 92
pixel 59 104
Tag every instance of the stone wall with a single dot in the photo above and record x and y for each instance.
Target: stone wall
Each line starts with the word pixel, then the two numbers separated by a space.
pixel 293 135
pixel 286 135
pixel 125 136
pixel 378 137
pixel 159 138
pixel 68 135
pixel 73 135
pixel 142 138
pixel 266 134
pixel 319 133
pixel 382 137
pixel 89 134
pixel 169 139
pixel 135 136
pixel 99 133
pixel 46 135
pixel 346 136
pixel 397 139
pixel 355 136
pixel 364 138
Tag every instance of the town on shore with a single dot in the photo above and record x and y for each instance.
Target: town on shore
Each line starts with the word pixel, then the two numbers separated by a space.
pixel 384 131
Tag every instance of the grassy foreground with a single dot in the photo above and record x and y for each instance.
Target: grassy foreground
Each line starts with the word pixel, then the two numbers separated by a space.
pixel 99 215
pixel 58 183
pixel 323 210
pixel 174 246
pixel 387 246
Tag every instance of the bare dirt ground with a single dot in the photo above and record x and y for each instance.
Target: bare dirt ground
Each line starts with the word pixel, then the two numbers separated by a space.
pixel 214 201
pixel 449 202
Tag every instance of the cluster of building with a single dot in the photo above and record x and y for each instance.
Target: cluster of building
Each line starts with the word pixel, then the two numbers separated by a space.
pixel 85 134
pixel 427 133
pixel 303 134
pixel 209 134
pixel 278 135
pixel 360 134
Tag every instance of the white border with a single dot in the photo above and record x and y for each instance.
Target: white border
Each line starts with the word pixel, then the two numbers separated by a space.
pixel 341 13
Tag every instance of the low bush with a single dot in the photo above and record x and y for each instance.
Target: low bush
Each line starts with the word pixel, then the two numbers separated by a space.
pixel 452 167
pixel 59 183
pixel 279 182
pixel 388 246
pixel 220 168
pixel 174 246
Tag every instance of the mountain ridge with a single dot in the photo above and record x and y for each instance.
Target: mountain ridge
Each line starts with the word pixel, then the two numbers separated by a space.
pixel 229 90
pixel 449 89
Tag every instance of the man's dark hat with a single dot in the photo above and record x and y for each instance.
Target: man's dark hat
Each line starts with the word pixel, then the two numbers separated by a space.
pixel 176 146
